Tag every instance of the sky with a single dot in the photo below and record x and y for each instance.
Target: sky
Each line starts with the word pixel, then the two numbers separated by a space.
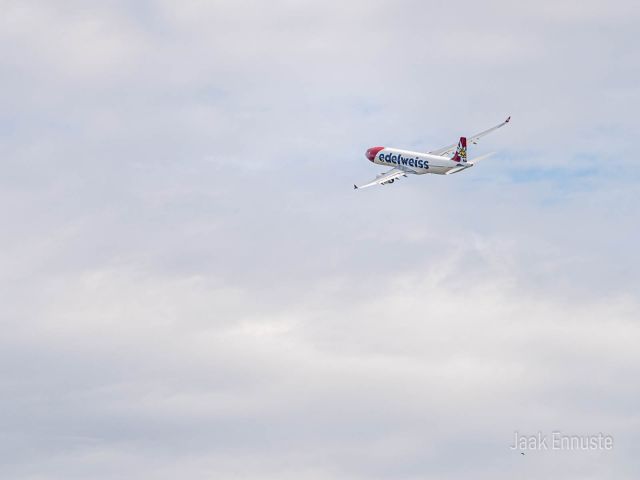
pixel 191 288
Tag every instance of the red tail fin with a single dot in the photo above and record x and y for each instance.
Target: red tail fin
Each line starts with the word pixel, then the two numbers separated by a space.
pixel 461 151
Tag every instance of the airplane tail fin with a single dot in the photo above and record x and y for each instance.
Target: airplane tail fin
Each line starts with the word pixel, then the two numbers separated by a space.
pixel 461 152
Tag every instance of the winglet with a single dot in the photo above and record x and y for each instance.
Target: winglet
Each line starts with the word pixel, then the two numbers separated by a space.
pixel 508 118
pixel 355 187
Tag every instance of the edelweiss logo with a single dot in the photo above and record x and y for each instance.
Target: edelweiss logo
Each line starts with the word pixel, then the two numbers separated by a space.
pixel 463 154
pixel 400 160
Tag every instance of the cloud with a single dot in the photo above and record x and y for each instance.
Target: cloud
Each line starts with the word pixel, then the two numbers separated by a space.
pixel 190 288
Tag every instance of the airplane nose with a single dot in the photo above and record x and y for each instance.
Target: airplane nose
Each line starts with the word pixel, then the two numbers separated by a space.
pixel 372 152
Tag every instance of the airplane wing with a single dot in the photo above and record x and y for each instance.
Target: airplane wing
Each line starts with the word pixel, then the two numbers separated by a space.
pixel 449 149
pixel 387 177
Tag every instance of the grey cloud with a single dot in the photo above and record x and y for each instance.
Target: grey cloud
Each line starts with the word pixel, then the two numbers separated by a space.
pixel 191 289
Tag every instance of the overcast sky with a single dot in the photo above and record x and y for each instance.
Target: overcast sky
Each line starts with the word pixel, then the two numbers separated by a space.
pixel 191 289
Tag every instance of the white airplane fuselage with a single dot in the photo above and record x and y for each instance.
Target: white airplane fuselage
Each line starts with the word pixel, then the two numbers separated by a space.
pixel 420 163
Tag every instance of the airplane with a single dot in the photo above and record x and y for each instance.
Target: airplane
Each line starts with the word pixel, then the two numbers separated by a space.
pixel 442 161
